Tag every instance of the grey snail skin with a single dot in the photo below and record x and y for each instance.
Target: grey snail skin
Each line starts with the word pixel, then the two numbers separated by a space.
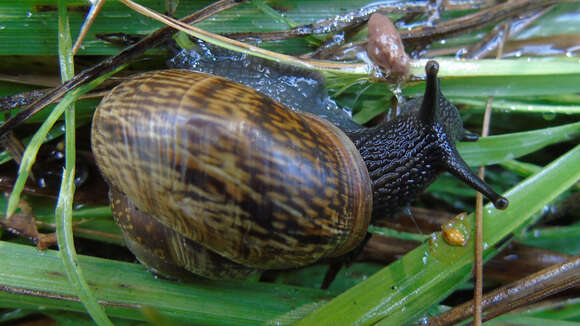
pixel 210 176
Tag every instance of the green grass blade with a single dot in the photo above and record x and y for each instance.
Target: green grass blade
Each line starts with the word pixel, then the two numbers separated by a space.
pixel 29 155
pixel 275 15
pixel 523 78
pixel 496 149
pixel 65 57
pixel 405 289
pixel 63 212
pixel 528 321
pixel 524 67
pixel 68 253
pixel 565 310
pixel 523 169
pixel 386 232
pixel 530 77
pixel 509 105
pixel 7 317
pixel 562 239
pixel 125 289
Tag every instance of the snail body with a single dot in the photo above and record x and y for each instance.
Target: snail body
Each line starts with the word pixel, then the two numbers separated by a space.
pixel 213 177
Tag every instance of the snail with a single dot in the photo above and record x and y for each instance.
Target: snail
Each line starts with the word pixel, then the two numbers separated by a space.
pixel 212 177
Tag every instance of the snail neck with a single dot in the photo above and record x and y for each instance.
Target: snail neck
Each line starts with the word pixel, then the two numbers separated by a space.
pixel 403 157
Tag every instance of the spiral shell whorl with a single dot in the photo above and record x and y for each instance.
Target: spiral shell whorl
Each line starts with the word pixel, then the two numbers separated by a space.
pixel 229 168
pixel 165 251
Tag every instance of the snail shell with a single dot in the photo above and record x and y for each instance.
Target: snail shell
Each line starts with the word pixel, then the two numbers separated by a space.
pixel 211 176
pixel 209 163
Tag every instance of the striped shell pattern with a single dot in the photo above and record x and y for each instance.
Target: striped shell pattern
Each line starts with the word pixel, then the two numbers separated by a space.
pixel 220 180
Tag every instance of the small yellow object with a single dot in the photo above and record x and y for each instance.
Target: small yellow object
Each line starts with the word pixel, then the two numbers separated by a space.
pixel 451 234
pixel 454 237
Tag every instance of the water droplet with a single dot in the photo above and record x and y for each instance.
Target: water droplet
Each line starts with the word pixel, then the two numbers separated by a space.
pixel 485 246
pixel 2 27
pixel 58 155
pixel 460 53
pixel 434 237
pixel 425 259
pixel 28 14
pixel 511 257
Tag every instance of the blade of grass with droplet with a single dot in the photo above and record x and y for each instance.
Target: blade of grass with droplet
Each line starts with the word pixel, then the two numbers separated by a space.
pixel 401 292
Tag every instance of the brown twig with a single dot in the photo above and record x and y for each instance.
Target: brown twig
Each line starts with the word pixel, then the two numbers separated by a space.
pixel 549 281
pixel 13 146
pixel 95 8
pixel 418 35
pixel 25 225
pixel 478 249
pixel 500 33
pixel 356 17
pixel 474 21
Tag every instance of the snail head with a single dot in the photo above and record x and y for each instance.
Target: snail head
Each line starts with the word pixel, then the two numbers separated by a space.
pixel 445 124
